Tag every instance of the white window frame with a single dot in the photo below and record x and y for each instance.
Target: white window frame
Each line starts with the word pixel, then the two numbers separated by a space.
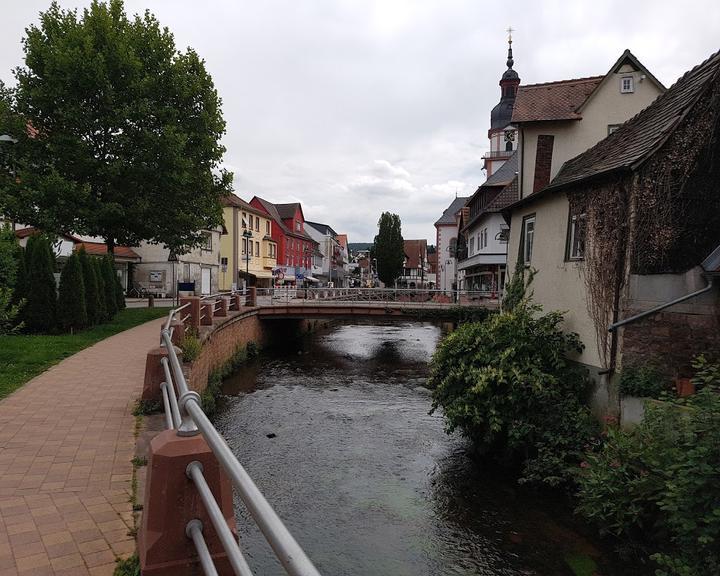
pixel 630 88
pixel 472 245
pixel 206 245
pixel 575 252
pixel 528 239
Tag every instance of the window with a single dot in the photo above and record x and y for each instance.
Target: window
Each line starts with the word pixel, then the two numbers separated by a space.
pixel 206 242
pixel 508 146
pixel 576 236
pixel 453 247
pixel 612 128
pixel 472 245
pixel 485 238
pixel 297 225
pixel 257 249
pixel 244 220
pixel 267 227
pixel 528 238
pixel 244 246
pixel 257 223
pixel 627 84
pixel 250 248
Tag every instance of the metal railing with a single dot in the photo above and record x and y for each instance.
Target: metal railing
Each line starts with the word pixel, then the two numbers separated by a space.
pixel 403 296
pixel 188 419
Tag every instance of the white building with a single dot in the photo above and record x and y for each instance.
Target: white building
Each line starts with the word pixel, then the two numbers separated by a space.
pixel 446 232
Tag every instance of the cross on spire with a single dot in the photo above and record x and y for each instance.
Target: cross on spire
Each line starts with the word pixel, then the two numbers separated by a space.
pixel 510 60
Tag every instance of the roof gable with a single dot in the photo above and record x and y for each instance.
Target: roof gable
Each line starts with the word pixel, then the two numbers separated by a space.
pixel 637 139
pixel 448 215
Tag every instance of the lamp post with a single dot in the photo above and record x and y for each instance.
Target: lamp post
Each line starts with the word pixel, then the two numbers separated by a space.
pixel 248 238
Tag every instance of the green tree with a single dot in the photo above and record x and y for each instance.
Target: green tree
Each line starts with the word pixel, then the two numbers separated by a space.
pixel 72 313
pixel 126 131
pixel 102 307
pixel 107 269
pixel 90 284
pixel 389 248
pixel 8 257
pixel 41 309
pixel 508 384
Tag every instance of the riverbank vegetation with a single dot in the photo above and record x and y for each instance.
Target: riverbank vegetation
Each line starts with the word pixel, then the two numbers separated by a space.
pixel 23 356
pixel 507 384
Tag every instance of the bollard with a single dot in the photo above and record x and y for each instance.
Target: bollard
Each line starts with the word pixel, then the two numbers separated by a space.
pixel 172 500
pixel 154 373
pixel 177 328
pixel 237 302
pixel 206 313
pixel 151 301
pixel 222 309
pixel 194 310
pixel 252 296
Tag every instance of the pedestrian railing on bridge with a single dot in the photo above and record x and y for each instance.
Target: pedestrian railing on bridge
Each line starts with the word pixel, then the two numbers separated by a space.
pixel 184 414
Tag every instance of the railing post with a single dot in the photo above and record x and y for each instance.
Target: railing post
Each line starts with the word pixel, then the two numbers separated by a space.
pixel 206 314
pixel 193 310
pixel 154 373
pixel 172 500
pixel 252 296
pixel 237 302
pixel 177 328
pixel 222 308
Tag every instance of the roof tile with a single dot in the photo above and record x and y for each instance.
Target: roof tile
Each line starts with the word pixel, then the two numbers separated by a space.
pixel 553 100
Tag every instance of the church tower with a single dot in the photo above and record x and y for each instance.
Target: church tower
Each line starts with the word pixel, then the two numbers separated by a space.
pixel 503 136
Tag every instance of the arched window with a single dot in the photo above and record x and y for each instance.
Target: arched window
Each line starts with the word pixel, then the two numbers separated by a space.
pixel 453 247
pixel 508 146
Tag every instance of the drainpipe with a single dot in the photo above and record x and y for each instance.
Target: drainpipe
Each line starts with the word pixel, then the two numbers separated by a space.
pixel 657 309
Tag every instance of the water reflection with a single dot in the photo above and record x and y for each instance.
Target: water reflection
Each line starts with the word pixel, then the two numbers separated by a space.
pixel 364 477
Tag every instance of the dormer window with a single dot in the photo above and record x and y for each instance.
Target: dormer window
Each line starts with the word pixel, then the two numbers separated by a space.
pixel 627 85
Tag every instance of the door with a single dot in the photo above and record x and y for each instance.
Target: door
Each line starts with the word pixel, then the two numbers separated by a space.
pixel 205 280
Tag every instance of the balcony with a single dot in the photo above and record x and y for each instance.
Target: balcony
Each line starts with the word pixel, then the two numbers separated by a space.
pixel 498 154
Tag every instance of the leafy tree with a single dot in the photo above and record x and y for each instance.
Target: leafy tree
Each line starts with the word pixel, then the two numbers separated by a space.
pixel 102 307
pixel 388 248
pixel 90 283
pixel 107 269
pixel 9 312
pixel 41 309
pixel 125 131
pixel 508 385
pixel 72 314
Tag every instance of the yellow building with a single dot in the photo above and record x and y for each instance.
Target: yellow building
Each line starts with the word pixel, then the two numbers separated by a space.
pixel 247 252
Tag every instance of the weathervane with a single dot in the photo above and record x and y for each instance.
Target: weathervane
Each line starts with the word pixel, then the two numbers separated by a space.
pixel 510 30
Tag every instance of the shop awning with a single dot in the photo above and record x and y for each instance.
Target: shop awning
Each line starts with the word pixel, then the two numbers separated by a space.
pixel 311 279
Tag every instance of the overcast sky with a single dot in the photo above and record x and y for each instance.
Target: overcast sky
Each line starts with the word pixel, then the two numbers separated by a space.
pixel 357 107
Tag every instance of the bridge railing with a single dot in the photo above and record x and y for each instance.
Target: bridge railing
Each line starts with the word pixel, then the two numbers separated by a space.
pixel 299 296
pixel 184 414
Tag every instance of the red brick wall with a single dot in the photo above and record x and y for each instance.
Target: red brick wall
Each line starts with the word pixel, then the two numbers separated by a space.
pixel 220 345
pixel 543 161
pixel 671 340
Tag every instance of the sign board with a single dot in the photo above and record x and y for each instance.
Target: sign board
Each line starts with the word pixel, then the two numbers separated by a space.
pixel 156 276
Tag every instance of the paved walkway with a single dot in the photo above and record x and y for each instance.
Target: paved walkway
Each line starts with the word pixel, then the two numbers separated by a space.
pixel 66 442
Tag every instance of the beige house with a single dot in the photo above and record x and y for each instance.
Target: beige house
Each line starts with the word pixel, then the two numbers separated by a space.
pixel 198 271
pixel 248 253
pixel 557 121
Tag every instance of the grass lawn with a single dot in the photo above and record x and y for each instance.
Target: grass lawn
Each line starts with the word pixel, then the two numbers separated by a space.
pixel 24 356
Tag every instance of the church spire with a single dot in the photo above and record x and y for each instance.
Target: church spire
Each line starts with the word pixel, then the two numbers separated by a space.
pixel 510 60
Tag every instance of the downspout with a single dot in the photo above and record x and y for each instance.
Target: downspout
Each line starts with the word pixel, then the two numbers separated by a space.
pixel 657 309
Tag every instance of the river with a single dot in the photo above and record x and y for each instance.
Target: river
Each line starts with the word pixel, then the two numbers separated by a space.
pixel 335 431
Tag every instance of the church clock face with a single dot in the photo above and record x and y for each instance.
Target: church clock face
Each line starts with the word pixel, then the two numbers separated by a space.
pixel 509 135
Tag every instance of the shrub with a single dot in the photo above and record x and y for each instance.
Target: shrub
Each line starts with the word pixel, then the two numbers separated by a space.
pixel 40 311
pixel 102 309
pixel 508 385
pixel 190 346
pixel 91 288
pixel 644 381
pixel 72 314
pixel 107 269
pixel 8 257
pixel 9 312
pixel 657 487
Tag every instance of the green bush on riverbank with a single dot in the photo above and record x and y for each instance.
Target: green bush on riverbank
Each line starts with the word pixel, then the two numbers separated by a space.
pixel 507 384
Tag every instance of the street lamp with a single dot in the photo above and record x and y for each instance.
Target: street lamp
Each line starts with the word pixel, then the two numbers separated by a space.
pixel 248 238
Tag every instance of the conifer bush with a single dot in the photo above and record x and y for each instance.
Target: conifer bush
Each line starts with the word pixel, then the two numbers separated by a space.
pixel 91 288
pixel 119 293
pixel 41 308
pixel 108 273
pixel 101 294
pixel 72 314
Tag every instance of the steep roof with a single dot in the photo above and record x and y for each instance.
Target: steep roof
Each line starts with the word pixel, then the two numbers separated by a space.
pixel 237 202
pixel 322 228
pixel 553 100
pixel 642 135
pixel 505 174
pixel 100 249
pixel 287 211
pixel 413 250
pixel 342 239
pixel 272 209
pixel 448 216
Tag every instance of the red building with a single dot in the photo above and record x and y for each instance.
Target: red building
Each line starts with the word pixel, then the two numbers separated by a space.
pixel 294 247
